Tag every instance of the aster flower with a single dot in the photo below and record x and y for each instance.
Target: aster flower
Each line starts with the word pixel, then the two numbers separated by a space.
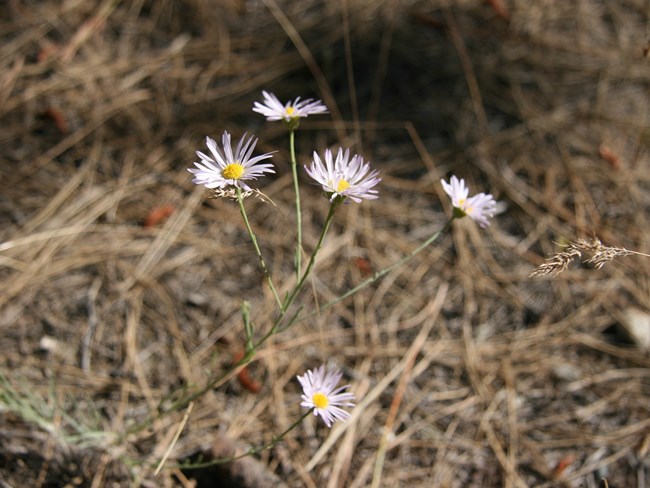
pixel 344 177
pixel 320 393
pixel 480 207
pixel 291 112
pixel 225 169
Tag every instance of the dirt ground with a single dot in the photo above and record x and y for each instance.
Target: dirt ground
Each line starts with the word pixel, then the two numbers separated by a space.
pixel 121 282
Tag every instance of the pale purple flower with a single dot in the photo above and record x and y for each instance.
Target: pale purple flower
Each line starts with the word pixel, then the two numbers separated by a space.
pixel 345 177
pixel 320 393
pixel 273 109
pixel 228 169
pixel 479 208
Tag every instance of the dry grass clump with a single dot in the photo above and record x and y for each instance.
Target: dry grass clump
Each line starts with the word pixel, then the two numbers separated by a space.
pixel 121 283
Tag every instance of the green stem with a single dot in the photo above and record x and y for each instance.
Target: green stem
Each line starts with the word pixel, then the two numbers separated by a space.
pixel 294 172
pixel 248 356
pixel 292 296
pixel 242 210
pixel 184 401
pixel 312 260
pixel 252 450
pixel 248 325
pixel 250 350
pixel 380 274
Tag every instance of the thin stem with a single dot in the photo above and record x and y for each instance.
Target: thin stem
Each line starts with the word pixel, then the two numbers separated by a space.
pixel 638 253
pixel 248 325
pixel 296 187
pixel 250 353
pixel 252 450
pixel 184 401
pixel 312 260
pixel 380 274
pixel 242 210
pixel 292 296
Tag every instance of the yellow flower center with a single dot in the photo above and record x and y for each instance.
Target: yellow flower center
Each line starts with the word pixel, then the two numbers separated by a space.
pixel 290 111
pixel 233 171
pixel 342 186
pixel 320 400
pixel 462 208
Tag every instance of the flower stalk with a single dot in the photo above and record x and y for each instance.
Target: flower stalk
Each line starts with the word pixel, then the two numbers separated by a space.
pixel 251 451
pixel 242 210
pixel 296 188
pixel 344 178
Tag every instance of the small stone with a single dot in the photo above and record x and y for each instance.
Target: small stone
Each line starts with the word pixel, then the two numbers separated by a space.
pixel 48 344
pixel 566 372
pixel 196 299
pixel 635 325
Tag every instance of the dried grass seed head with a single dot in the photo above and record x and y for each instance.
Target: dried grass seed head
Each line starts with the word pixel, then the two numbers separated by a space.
pixel 600 254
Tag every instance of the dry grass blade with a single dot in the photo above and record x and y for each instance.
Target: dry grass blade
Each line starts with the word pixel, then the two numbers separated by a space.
pixel 414 350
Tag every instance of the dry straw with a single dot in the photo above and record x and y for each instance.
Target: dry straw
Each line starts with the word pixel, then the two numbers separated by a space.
pixel 599 255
